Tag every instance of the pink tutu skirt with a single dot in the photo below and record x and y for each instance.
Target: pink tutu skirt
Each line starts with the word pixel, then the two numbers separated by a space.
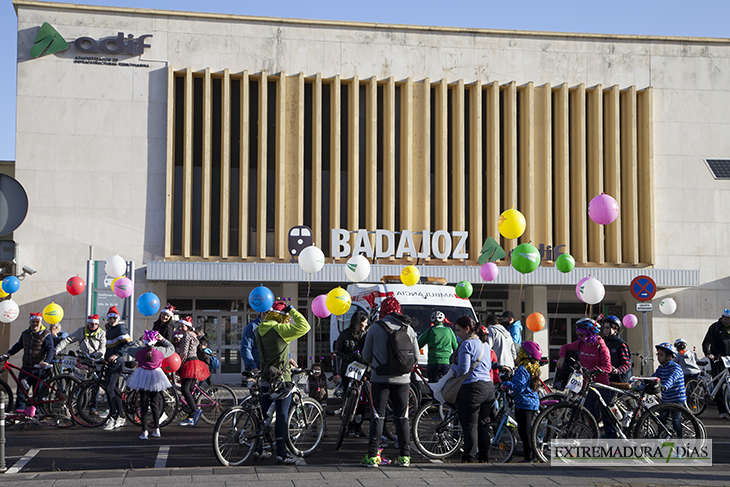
pixel 194 369
pixel 148 380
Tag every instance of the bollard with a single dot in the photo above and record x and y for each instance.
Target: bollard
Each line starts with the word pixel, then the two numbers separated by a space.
pixel 3 403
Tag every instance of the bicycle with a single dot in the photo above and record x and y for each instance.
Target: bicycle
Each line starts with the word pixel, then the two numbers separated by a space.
pixel 246 431
pixel 643 362
pixel 707 386
pixel 30 416
pixel 571 420
pixel 88 403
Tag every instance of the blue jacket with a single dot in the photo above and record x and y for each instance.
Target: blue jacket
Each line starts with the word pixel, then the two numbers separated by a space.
pixel 249 350
pixel 515 330
pixel 671 377
pixel 525 397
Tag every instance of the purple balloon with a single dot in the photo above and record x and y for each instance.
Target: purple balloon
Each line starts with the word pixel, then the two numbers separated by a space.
pixel 630 321
pixel 319 306
pixel 123 287
pixel 489 271
pixel 603 209
pixel 577 288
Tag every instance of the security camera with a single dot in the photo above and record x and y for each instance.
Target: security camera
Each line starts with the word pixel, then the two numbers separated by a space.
pixel 28 270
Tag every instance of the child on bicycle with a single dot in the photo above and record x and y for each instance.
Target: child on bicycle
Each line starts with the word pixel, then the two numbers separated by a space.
pixel 672 379
pixel 149 379
pixel 687 359
pixel 524 385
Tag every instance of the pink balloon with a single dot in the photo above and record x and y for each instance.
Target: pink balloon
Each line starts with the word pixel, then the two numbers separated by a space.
pixel 603 209
pixel 630 321
pixel 489 271
pixel 319 306
pixel 577 288
pixel 123 287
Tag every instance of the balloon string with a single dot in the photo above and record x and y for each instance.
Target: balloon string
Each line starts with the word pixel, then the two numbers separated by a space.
pixel 480 291
pixel 309 283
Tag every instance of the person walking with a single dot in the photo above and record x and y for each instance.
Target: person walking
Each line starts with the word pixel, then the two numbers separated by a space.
pixel 716 345
pixel 191 370
pixel 273 336
pixel 389 379
pixel 149 379
pixel 441 343
pixel 476 396
pixel 117 344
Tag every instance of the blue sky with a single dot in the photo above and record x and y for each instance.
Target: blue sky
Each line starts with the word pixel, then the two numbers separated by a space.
pixel 697 18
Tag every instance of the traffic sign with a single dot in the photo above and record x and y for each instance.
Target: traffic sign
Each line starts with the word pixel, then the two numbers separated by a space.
pixel 644 307
pixel 643 288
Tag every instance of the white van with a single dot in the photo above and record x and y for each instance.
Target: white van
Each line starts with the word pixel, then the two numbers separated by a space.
pixel 417 301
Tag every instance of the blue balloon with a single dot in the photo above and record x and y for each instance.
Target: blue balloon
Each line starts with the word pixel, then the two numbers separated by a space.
pixel 148 304
pixel 261 299
pixel 11 284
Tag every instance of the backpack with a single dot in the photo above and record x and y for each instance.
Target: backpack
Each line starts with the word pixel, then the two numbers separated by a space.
pixel 215 364
pixel 401 357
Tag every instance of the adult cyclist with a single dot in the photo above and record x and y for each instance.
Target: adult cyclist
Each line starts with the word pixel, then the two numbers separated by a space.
pixel 441 342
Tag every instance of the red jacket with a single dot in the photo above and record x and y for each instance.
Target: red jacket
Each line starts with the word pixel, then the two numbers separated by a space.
pixel 591 356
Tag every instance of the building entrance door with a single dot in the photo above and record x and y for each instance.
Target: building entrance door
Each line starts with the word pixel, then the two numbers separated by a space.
pixel 223 332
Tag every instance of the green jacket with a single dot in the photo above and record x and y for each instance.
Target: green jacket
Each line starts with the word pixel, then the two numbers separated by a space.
pixel 274 338
pixel 441 343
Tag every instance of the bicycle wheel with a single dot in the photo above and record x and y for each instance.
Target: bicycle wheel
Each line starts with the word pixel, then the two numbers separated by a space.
pixel 347 414
pixel 725 395
pixel 88 404
pixel 6 389
pixel 696 401
pixel 436 430
pixel 216 399
pixel 133 411
pixel 501 449
pixel 658 422
pixel 561 421
pixel 305 425
pixel 55 396
pixel 56 420
pixel 235 436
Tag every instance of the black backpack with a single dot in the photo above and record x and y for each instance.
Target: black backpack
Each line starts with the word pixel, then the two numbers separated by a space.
pixel 401 357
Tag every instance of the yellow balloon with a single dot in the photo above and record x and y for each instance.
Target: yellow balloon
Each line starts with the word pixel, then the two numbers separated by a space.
pixel 114 281
pixel 410 275
pixel 53 313
pixel 338 301
pixel 3 294
pixel 511 224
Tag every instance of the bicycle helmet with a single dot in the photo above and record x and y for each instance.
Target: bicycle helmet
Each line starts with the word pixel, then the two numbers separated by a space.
pixel 588 325
pixel 668 347
pixel 437 317
pixel 612 320
pixel 680 343
pixel 532 349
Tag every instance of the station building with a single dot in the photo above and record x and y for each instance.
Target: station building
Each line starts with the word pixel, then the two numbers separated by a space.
pixel 192 144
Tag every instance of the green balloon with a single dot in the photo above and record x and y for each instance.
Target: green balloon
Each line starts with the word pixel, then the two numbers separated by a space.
pixel 565 263
pixel 525 258
pixel 464 289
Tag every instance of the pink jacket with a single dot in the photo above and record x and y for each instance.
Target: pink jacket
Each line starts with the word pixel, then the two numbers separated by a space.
pixel 591 357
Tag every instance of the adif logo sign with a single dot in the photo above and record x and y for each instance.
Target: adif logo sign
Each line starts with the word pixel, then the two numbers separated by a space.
pixel 50 41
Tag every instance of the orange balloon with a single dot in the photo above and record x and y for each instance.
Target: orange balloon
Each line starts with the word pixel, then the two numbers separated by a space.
pixel 535 322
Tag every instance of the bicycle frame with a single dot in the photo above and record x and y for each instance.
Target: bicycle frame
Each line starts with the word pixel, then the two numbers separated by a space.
pixel 708 380
pixel 31 398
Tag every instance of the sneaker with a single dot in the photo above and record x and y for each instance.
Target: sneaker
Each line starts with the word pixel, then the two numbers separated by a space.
pixel 110 424
pixel 287 460
pixel 187 422
pixel 156 433
pixel 264 455
pixel 120 422
pixel 403 461
pixel 144 436
pixel 99 412
pixel 196 416
pixel 724 416
pixel 370 462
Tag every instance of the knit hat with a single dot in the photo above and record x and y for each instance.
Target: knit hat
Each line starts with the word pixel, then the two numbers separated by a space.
pixel 187 321
pixel 388 306
pixel 36 316
pixel 169 309
pixel 93 319
pixel 112 313
pixel 150 337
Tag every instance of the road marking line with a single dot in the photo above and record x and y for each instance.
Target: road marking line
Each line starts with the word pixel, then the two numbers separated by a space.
pixel 162 457
pixel 23 461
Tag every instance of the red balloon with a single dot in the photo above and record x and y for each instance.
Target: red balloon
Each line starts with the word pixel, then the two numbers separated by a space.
pixel 171 363
pixel 75 286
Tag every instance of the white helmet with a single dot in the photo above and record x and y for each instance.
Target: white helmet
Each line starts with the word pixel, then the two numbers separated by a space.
pixel 437 317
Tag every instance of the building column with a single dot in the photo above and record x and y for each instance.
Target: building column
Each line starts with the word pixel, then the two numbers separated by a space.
pixel 536 302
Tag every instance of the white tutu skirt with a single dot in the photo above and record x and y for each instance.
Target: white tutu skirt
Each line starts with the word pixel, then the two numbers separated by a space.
pixel 148 380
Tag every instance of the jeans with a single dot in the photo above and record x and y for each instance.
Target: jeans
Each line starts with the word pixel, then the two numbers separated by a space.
pixel 436 371
pixel 676 421
pixel 110 387
pixel 380 392
pixel 281 406
pixel 474 403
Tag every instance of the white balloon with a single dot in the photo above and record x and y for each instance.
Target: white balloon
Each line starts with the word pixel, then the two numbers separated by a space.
pixel 311 260
pixel 592 291
pixel 357 268
pixel 8 311
pixel 668 306
pixel 115 266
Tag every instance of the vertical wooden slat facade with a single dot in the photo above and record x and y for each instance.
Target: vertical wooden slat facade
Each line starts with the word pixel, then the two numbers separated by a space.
pixel 546 150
